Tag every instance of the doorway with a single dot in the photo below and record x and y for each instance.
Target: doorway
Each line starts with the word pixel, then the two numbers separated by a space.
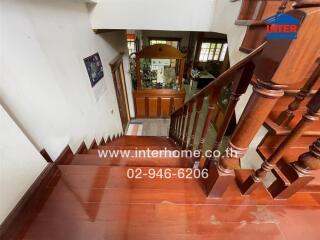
pixel 121 90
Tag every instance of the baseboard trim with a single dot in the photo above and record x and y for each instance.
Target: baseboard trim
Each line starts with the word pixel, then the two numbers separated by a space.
pixel 46 156
pixel 82 148
pixel 11 225
pixel 65 156
pixel 102 142
pixel 93 144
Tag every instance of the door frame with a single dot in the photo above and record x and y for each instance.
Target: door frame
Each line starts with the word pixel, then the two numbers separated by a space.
pixel 115 65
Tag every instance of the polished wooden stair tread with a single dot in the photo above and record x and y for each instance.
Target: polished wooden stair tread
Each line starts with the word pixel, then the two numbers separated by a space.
pixel 94 159
pixel 133 147
pixel 290 155
pixel 312 130
pixel 100 202
pixel 142 140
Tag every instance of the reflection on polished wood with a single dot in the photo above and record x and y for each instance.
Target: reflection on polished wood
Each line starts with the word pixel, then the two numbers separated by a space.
pixel 94 202
pixel 101 202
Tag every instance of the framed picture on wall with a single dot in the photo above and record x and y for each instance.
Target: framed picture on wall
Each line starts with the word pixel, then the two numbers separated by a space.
pixel 94 67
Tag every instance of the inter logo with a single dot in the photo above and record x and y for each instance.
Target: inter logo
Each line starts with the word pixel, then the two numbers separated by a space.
pixel 282 26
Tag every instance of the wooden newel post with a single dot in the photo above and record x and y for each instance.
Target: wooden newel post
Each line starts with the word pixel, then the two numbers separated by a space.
pixel 260 104
pixel 311 115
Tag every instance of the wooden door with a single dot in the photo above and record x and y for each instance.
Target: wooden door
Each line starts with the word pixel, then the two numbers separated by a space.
pixel 120 88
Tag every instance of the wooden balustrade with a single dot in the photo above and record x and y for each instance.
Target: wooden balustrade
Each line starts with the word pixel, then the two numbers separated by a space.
pixel 311 115
pixel 286 116
pixel 262 101
pixel 260 104
pixel 239 87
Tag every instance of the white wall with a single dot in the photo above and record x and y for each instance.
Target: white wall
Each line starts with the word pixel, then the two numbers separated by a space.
pixel 20 164
pixel 44 82
pixel 223 18
pixel 177 15
pixel 183 15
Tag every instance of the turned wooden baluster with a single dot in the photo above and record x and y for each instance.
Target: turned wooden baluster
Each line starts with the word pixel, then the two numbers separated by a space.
pixel 239 87
pixel 287 115
pixel 299 173
pixel 180 125
pixel 185 139
pixel 260 104
pixel 213 98
pixel 172 125
pixel 175 126
pixel 199 102
pixel 184 115
pixel 311 115
pixel 309 160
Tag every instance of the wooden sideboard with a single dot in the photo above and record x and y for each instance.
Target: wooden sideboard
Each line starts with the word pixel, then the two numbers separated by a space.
pixel 157 103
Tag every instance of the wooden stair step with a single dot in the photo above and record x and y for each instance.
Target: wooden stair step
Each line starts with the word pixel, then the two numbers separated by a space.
pixel 121 189
pixel 103 203
pixel 312 130
pixel 92 159
pixel 290 155
pixel 134 151
pixel 142 141
pixel 141 147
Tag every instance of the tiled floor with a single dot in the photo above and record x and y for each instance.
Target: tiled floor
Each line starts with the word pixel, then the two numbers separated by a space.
pixel 154 127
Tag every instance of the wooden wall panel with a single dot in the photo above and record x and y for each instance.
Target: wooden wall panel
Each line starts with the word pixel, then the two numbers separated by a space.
pixel 157 103
pixel 140 107
pixel 153 107
pixel 165 107
pixel 178 102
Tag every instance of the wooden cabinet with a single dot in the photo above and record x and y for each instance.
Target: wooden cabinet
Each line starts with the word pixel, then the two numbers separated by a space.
pixel 157 103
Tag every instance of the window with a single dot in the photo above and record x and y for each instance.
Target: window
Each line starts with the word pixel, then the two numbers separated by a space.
pixel 131 46
pixel 168 42
pixel 131 43
pixel 212 51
